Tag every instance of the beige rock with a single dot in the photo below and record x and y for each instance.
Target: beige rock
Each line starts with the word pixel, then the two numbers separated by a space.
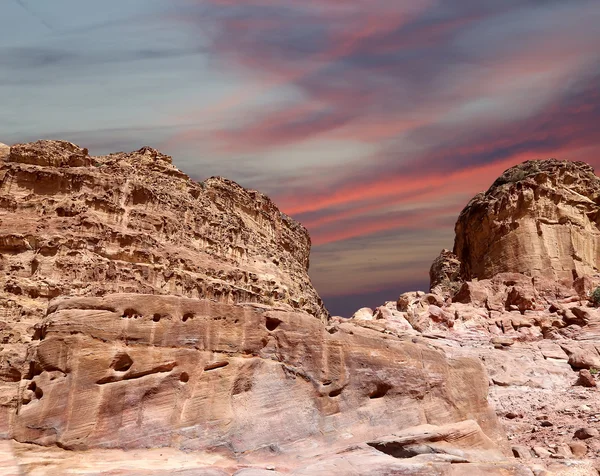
pixel 464 440
pixel 578 448
pixel 128 371
pixel 4 151
pixel 365 314
pixel 522 452
pixel 541 452
pixel 132 222
pixel 362 461
pixel 581 357
pixel 539 217
pixel 445 274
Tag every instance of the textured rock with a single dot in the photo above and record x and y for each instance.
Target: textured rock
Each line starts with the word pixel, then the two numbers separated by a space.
pixel 578 448
pixel 71 224
pixel 586 379
pixel 539 217
pixel 128 371
pixel 4 151
pixel 445 274
pixel 585 433
pixel 140 310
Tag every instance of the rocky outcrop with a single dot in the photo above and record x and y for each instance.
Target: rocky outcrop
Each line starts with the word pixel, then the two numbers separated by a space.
pixel 517 293
pixel 445 275
pixel 132 371
pixel 140 309
pixel 540 217
pixel 71 224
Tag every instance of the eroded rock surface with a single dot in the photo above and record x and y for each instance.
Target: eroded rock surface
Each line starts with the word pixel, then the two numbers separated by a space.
pixel 131 371
pixel 517 294
pixel 540 217
pixel 141 310
pixel 71 224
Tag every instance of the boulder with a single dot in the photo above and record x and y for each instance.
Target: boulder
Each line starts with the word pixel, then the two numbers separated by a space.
pixel 365 314
pixel 586 379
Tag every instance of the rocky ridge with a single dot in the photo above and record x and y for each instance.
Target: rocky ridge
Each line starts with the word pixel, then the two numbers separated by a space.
pixel 155 325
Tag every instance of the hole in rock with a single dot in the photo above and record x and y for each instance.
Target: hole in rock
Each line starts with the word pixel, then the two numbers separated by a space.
pixel 272 323
pixel 336 393
pixel 381 390
pixel 38 393
pixel 184 377
pixel 121 363
pixel 34 370
pixel 130 313
pixel 35 264
pixel 156 317
pixel 187 315
pixel 32 386
pixel 395 449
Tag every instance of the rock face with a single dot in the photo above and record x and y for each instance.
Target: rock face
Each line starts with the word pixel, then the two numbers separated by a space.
pixel 72 224
pixel 140 309
pixel 445 274
pixel 540 217
pixel 131 371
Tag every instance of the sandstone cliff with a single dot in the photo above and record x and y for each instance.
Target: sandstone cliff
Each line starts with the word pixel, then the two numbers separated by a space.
pixel 540 217
pixel 143 310
pixel 71 224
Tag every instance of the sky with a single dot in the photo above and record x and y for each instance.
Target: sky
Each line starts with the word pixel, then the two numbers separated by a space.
pixel 372 122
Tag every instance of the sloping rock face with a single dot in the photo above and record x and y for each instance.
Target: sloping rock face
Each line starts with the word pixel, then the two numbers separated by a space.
pixel 140 309
pixel 540 217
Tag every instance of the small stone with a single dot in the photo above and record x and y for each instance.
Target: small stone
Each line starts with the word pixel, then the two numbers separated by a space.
pixel 563 451
pixel 502 341
pixel 578 448
pixel 546 423
pixel 513 415
pixel 585 433
pixel 586 379
pixel 270 467
pixel 521 452
pixel 541 452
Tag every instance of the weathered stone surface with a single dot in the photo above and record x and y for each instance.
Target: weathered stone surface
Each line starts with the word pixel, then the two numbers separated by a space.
pixel 365 313
pixel 445 274
pixel 71 224
pixel 586 379
pixel 129 371
pixel 539 217
pixel 4 151
pixel 465 440
pixel 578 448
pixel 149 319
